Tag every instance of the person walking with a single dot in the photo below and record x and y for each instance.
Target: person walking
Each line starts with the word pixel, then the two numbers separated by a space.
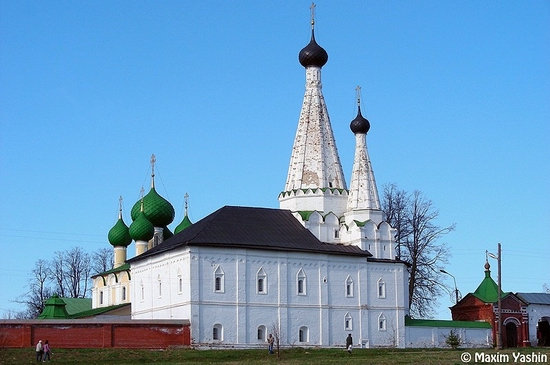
pixel 39 350
pixel 270 341
pixel 349 343
pixel 47 351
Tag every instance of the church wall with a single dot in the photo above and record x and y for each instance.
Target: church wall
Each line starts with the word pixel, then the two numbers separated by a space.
pixel 536 313
pixel 311 313
pixel 114 290
pixel 156 291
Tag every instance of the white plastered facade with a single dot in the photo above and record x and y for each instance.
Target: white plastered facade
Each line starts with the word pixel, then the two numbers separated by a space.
pixel 338 295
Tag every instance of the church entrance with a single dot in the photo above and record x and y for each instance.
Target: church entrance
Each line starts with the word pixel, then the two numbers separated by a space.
pixel 511 335
pixel 543 332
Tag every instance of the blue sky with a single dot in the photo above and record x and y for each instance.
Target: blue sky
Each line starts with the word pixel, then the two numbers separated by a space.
pixel 457 94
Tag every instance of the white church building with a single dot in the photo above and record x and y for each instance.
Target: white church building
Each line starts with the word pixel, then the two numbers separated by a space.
pixel 319 268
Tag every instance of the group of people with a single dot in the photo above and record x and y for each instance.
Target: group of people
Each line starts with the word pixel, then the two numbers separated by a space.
pixel 271 340
pixel 43 351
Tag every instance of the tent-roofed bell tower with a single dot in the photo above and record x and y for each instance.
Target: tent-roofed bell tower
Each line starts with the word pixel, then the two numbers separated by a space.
pixel 363 200
pixel 315 180
pixel 364 218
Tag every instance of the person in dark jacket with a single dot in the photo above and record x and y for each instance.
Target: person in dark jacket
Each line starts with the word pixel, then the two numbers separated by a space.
pixel 349 343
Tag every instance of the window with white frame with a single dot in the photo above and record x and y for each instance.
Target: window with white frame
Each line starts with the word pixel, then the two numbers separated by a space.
pixel 261 281
pixel 159 282
pixel 100 297
pixel 348 322
pixel 217 332
pixel 123 293
pixel 301 282
pixel 381 288
pixel 142 291
pixel 261 333
pixel 381 322
pixel 349 287
pixel 180 282
pixel 219 284
pixel 303 334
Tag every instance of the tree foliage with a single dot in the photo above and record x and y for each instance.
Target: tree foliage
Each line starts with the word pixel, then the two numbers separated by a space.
pixel 414 216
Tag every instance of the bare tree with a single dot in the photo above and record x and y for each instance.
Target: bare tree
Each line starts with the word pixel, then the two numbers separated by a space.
pixel 57 273
pixel 77 271
pixel 39 291
pixel 415 216
pixel 278 335
pixel 396 206
pixel 71 273
pixel 102 260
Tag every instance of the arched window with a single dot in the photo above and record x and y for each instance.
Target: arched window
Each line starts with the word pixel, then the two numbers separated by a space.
pixel 303 334
pixel 349 287
pixel 180 282
pixel 301 282
pixel 217 332
pixel 123 293
pixel 381 322
pixel 261 281
pixel 381 288
pixel 348 322
pixel 261 333
pixel 100 297
pixel 219 285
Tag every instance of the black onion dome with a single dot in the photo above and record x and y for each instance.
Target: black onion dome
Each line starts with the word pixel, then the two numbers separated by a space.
pixel 313 54
pixel 360 124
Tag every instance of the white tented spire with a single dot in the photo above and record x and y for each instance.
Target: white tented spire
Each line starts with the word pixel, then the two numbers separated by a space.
pixel 315 178
pixel 363 198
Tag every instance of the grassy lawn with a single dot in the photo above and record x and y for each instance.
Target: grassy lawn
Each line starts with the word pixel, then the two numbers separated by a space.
pixel 288 356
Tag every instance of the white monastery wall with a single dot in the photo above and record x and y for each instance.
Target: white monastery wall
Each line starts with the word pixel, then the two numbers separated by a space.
pixel 315 299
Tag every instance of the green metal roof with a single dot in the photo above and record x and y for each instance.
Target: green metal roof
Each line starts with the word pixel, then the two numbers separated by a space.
pixel 76 305
pixel 71 308
pixel 124 267
pixel 54 308
pixel 444 323
pixel 58 308
pixel 96 311
pixel 487 291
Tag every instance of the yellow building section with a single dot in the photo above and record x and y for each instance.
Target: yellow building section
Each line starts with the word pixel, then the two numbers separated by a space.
pixel 111 287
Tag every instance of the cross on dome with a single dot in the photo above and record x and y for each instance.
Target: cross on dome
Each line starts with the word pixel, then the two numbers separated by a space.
pixel 312 8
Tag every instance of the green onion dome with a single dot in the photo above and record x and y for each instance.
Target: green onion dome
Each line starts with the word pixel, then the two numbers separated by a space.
pixel 141 229
pixel 184 224
pixel 157 209
pixel 166 233
pixel 119 235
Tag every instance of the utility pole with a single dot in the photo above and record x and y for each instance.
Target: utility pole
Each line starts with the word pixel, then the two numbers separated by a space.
pixel 498 257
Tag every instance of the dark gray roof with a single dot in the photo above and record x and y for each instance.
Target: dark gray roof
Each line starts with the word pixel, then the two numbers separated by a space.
pixel 535 298
pixel 252 228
